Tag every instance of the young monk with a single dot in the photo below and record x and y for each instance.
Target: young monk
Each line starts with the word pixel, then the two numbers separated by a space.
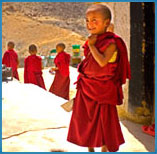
pixel 61 83
pixel 10 59
pixel 33 68
pixel 94 121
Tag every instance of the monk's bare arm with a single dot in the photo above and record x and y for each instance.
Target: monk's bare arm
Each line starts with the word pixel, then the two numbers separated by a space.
pixel 54 68
pixel 17 63
pixel 102 59
pixel 42 67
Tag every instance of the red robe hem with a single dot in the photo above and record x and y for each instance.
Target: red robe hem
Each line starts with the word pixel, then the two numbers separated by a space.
pixel 61 83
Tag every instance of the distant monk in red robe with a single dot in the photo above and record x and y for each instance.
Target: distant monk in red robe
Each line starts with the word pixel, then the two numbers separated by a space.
pixel 33 68
pixel 10 59
pixel 61 83
pixel 94 121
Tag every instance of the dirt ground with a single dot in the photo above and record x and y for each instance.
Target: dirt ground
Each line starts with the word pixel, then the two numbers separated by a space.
pixel 44 25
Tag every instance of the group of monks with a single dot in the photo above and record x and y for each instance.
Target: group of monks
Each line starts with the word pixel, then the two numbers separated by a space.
pixel 103 71
pixel 33 68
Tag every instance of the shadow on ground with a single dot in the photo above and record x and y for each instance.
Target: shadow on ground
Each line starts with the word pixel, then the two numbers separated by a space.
pixel 135 129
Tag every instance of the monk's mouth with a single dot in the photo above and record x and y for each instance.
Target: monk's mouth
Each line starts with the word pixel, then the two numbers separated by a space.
pixel 92 29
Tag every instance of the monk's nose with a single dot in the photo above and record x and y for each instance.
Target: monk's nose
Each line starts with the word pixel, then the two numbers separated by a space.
pixel 90 25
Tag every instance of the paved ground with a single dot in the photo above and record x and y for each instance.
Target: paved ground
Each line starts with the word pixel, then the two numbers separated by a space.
pixel 33 121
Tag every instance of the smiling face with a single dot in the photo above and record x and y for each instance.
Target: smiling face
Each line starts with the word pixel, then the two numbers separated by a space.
pixel 96 22
pixel 97 19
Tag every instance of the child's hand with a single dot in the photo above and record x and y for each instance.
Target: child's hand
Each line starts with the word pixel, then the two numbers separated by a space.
pixel 51 72
pixel 92 40
pixel 53 69
pixel 110 28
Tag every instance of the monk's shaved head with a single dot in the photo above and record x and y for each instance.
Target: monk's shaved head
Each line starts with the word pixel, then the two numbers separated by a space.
pixel 32 48
pixel 11 45
pixel 62 45
pixel 102 8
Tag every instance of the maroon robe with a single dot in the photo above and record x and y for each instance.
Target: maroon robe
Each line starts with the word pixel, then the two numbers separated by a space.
pixel 10 59
pixel 94 121
pixel 33 71
pixel 61 83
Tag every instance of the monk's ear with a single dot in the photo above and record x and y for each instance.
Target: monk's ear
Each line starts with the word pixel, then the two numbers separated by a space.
pixel 107 22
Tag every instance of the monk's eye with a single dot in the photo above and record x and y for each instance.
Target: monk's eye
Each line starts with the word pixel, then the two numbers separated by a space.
pixel 94 20
pixel 87 20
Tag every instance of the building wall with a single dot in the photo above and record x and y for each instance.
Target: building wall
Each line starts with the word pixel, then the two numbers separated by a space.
pixel 121 21
pixel 122 28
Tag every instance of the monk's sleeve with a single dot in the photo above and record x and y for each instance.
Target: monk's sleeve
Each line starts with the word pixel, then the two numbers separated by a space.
pixel 38 64
pixel 25 72
pixel 86 48
pixel 123 71
pixel 6 59
pixel 63 63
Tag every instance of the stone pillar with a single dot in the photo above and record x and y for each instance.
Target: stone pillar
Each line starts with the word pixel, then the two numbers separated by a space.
pixel 121 21
pixel 122 28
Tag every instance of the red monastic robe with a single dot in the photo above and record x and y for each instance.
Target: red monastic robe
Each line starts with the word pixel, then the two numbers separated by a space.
pixel 61 83
pixel 94 121
pixel 33 71
pixel 10 59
